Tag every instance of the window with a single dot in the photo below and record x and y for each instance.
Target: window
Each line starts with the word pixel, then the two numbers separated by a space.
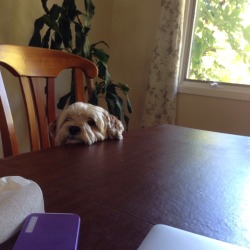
pixel 216 52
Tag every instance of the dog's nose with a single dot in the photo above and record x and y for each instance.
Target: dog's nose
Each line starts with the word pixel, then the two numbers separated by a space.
pixel 74 130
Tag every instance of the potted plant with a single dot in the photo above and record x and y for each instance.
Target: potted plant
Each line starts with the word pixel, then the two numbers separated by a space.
pixel 66 28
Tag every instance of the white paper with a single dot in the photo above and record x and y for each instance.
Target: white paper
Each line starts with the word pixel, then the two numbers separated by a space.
pixel 19 197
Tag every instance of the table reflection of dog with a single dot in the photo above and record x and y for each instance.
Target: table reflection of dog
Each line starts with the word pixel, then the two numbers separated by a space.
pixel 85 123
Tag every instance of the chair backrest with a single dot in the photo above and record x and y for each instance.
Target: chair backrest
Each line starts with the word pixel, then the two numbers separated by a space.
pixel 37 69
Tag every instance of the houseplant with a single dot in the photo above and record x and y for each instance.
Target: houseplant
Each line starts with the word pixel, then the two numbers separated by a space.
pixel 66 28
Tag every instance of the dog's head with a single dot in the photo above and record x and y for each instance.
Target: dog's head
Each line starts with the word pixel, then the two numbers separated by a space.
pixel 85 123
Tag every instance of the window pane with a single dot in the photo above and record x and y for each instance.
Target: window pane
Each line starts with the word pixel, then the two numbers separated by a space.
pixel 221 42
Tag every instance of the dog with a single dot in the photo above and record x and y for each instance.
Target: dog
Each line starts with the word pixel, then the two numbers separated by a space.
pixel 85 123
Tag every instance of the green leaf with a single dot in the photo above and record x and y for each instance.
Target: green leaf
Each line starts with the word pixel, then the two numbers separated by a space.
pixel 90 9
pixel 94 98
pixel 56 43
pixel 65 31
pixel 99 54
pixel 51 23
pixel 129 105
pixel 80 39
pixel 126 119
pixel 70 9
pixel 44 4
pixel 86 48
pixel 63 101
pixel 55 12
pixel 115 102
pixel 247 48
pixel 125 89
pixel 100 87
pixel 101 58
pixel 115 105
pixel 246 33
pixel 82 46
pixel 103 72
pixel 45 40
pixel 36 39
pixel 100 42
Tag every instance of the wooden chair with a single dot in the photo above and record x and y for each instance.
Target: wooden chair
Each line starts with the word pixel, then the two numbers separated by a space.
pixel 31 66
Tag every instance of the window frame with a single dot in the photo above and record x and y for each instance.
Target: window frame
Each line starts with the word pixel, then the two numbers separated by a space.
pixel 187 86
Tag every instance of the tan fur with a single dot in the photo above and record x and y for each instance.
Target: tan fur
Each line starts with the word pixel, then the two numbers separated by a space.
pixel 85 123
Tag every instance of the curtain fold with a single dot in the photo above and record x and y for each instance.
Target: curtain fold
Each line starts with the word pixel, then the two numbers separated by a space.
pixel 160 102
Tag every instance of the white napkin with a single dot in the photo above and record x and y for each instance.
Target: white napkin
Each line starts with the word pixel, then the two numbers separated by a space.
pixel 19 197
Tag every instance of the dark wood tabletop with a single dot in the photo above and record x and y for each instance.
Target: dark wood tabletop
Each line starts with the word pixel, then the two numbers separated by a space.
pixel 190 179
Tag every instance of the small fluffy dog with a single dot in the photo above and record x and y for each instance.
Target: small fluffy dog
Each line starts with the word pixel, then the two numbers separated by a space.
pixel 85 123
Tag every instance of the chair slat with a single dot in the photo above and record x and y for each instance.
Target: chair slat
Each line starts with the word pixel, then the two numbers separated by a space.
pixel 79 85
pixel 50 93
pixel 39 99
pixel 8 134
pixel 31 113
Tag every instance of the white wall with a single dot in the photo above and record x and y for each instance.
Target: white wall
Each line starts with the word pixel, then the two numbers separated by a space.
pixel 214 114
pixel 133 35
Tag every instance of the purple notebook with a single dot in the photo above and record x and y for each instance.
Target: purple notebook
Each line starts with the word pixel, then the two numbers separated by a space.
pixel 42 231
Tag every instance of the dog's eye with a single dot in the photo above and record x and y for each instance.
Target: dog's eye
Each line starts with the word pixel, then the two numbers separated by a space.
pixel 91 123
pixel 67 119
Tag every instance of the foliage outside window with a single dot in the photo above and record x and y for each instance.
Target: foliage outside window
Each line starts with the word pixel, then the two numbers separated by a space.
pixel 221 42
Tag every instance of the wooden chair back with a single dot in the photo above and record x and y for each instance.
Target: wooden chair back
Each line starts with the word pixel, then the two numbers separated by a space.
pixel 37 69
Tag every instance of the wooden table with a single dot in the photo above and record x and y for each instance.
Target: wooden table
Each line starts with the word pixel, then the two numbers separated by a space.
pixel 194 180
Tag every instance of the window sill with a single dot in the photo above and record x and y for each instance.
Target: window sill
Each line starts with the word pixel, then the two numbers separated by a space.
pixel 220 91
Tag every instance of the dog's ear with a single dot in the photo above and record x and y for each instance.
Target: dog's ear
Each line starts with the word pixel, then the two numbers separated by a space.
pixel 52 128
pixel 115 127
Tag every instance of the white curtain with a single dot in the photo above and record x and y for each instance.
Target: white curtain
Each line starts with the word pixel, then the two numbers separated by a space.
pixel 160 104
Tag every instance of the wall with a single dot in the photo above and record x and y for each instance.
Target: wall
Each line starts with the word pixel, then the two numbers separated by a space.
pixel 133 33
pixel 214 114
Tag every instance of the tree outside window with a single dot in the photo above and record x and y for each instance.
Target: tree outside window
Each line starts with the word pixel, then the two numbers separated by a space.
pixel 221 42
